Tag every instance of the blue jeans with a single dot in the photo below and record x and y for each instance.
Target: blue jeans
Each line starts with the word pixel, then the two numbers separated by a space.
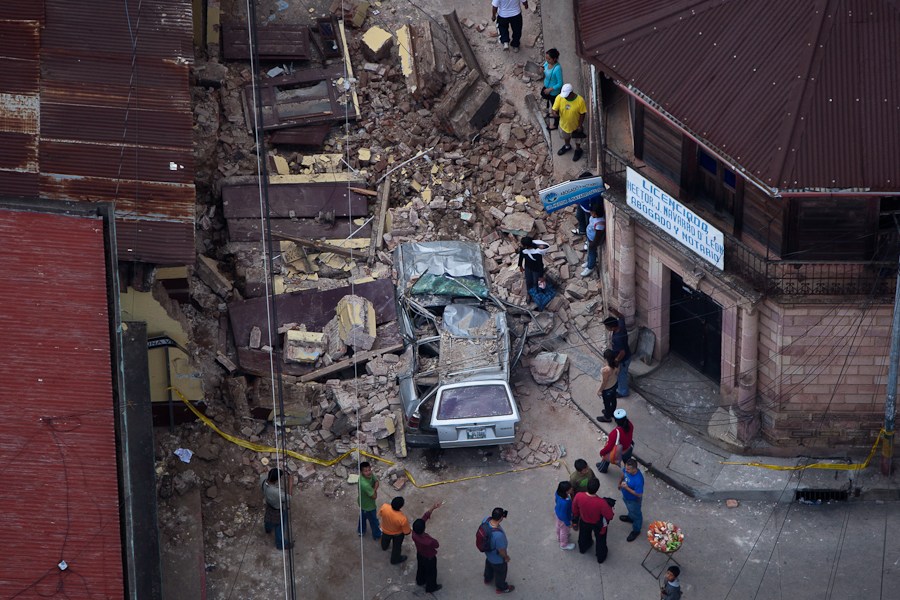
pixel 622 382
pixel 372 517
pixel 279 528
pixel 591 255
pixel 634 511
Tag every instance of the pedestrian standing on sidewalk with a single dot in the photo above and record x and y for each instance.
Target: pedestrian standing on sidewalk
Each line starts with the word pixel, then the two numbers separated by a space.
pixel 276 488
pixel 496 559
pixel 618 341
pixel 620 443
pixel 553 81
pixel 583 208
pixel 570 108
pixel 631 483
pixel 368 492
pixel 563 511
pixel 592 515
pixel 426 552
pixel 508 15
pixel 394 527
pixel 607 391
pixel 582 476
pixel 531 260
pixel 672 588
pixel 596 237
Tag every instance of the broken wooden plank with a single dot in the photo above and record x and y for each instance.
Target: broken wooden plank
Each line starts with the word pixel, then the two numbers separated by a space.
pixel 399 434
pixel 226 362
pixel 364 192
pixel 248 230
pixel 320 246
pixel 464 47
pixel 307 200
pixel 380 216
pixel 209 273
pixel 359 357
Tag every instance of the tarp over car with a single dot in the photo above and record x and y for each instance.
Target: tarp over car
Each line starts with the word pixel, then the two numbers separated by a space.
pixel 445 268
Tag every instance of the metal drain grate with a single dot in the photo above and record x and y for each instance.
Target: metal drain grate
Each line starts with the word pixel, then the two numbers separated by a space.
pixel 820 496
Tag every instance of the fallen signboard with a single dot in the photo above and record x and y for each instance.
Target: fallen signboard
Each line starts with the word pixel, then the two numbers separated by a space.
pixel 571 192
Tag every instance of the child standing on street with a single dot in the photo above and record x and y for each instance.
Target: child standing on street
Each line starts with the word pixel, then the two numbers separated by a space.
pixel 672 589
pixel 563 509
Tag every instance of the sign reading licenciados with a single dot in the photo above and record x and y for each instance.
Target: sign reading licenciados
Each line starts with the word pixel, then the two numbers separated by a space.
pixel 676 219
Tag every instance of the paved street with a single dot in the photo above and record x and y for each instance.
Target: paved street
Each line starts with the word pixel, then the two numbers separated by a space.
pixel 760 550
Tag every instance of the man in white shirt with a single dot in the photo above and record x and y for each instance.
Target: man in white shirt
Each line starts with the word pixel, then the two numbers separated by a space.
pixel 508 15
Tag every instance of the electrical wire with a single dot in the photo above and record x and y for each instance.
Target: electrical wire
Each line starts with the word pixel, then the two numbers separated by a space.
pixel 271 315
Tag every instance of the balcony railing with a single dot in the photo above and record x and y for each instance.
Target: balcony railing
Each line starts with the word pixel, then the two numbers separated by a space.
pixel 784 278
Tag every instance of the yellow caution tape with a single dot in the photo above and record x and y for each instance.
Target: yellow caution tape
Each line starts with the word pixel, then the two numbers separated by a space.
pixel 329 463
pixel 825 466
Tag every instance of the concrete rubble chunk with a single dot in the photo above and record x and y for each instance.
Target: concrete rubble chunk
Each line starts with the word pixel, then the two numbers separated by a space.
pixel 255 337
pixel 377 44
pixel 305 347
pixel 356 316
pixel 548 367
pixel 517 223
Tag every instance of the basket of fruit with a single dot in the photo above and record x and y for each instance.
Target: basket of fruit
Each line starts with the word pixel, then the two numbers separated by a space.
pixel 665 537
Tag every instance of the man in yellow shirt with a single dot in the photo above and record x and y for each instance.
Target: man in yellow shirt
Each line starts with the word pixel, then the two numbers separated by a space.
pixel 394 527
pixel 570 108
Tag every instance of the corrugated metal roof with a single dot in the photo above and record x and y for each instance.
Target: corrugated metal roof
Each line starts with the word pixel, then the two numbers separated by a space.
pixel 58 487
pixel 81 119
pixel 802 94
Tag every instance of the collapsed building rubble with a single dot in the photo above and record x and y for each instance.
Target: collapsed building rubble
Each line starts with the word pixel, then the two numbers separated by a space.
pixel 439 175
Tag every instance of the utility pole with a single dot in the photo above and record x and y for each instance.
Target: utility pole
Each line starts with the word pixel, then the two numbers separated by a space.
pixel 890 405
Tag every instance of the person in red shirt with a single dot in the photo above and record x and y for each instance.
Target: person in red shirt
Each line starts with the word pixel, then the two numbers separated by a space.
pixel 623 437
pixel 426 552
pixel 592 514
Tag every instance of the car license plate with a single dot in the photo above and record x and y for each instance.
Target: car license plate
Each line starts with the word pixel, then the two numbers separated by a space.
pixel 476 434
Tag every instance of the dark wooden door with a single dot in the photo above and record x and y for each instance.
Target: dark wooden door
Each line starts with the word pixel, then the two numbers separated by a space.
pixel 695 328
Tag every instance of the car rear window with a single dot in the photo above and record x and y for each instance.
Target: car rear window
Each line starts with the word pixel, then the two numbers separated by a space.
pixel 474 401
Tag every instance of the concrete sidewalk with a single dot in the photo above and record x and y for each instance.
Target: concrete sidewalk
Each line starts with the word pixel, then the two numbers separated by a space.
pixel 694 464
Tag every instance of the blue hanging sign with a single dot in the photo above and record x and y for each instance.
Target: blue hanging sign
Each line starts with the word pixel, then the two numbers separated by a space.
pixel 571 192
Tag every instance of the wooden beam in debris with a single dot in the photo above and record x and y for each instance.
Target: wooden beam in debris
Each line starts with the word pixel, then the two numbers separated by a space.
pixel 247 230
pixel 459 35
pixel 380 215
pixel 299 201
pixel 275 42
pixel 359 357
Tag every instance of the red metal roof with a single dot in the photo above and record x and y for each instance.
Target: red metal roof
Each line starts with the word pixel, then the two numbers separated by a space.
pixel 84 118
pixel 58 483
pixel 803 94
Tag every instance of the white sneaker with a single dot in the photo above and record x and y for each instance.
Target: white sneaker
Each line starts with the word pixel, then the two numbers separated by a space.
pixel 586 245
pixel 586 272
pixel 567 547
pixel 584 265
pixel 506 45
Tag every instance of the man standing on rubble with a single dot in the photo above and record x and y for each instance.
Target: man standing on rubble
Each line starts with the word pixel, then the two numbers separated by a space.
pixel 508 15
pixel 571 109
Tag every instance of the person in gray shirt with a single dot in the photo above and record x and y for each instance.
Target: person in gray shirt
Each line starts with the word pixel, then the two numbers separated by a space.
pixel 276 488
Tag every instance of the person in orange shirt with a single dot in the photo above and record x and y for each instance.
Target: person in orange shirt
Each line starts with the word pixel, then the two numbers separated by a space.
pixel 394 527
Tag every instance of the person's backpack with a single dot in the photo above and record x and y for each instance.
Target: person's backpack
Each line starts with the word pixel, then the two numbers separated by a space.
pixel 484 537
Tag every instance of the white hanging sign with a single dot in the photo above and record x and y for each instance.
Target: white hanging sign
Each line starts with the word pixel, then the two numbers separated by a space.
pixel 676 219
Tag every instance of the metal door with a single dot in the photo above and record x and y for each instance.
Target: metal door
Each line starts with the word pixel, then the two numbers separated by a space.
pixel 695 328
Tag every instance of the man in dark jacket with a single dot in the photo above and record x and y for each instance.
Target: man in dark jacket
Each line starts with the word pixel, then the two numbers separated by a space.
pixel 426 553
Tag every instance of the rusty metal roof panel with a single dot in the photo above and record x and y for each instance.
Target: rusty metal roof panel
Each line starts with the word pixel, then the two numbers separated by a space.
pixel 801 94
pixel 106 98
pixel 58 412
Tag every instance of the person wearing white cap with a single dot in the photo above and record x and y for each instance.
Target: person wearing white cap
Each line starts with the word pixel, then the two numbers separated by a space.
pixel 570 108
pixel 620 444
pixel 508 15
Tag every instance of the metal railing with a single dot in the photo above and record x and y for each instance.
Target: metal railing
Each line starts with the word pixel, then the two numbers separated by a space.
pixel 784 278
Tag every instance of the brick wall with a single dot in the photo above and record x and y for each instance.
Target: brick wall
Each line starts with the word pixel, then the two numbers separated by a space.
pixel 822 373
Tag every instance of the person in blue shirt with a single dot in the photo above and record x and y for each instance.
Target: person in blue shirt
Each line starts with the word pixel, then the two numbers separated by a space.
pixel 563 510
pixel 596 235
pixel 495 559
pixel 631 483
pixel 553 81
